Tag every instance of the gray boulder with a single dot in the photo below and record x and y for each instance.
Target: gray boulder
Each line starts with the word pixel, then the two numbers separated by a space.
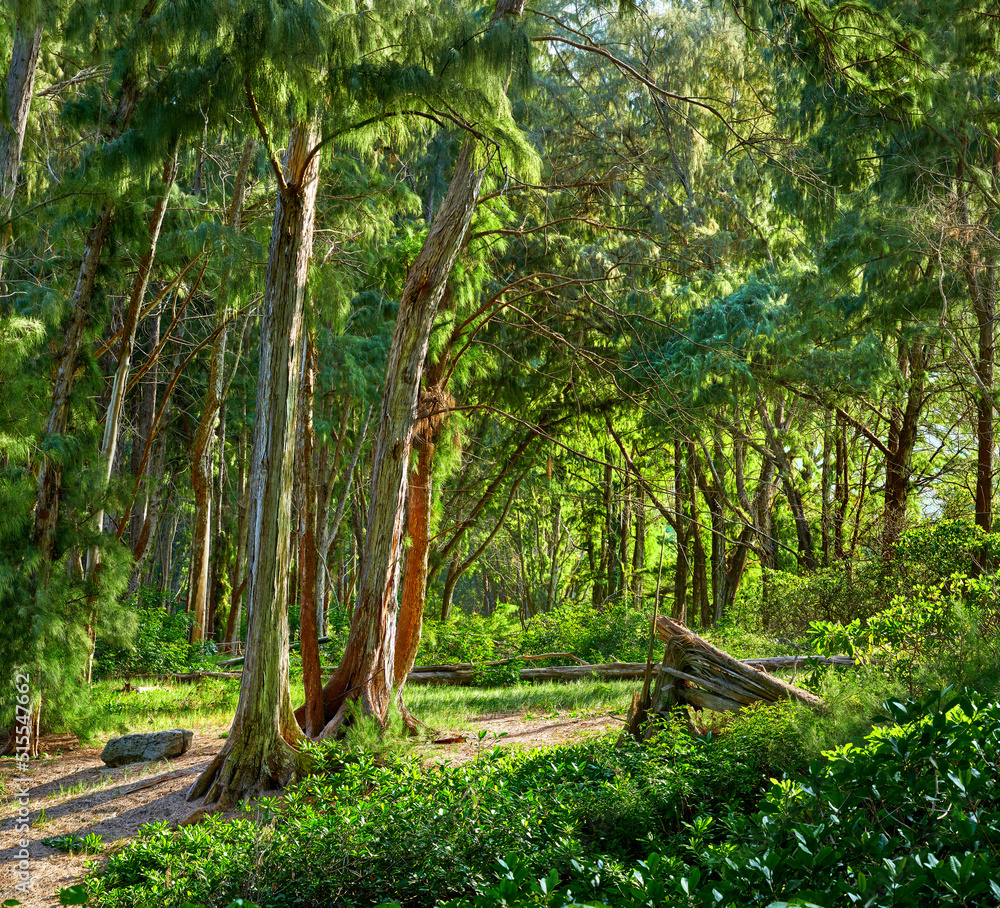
pixel 142 748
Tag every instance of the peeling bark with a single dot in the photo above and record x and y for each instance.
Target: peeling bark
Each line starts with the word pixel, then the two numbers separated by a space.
pixel 261 751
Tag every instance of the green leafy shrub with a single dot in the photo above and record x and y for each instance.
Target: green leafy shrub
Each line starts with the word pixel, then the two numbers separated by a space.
pixel 934 633
pixel 471 638
pixel 911 818
pixel 363 830
pixel 614 631
pixel 927 557
pixel 76 844
pixel 161 643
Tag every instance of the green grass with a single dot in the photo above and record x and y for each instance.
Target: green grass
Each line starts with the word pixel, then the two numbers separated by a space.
pixel 210 704
pixel 202 705
pixel 452 707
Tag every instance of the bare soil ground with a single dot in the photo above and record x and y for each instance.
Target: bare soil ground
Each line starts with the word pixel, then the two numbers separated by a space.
pixel 71 792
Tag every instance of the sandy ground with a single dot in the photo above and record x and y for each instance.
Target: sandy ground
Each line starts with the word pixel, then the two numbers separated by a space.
pixel 72 792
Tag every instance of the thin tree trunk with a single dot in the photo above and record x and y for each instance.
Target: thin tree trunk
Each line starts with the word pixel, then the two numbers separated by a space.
pixel 826 484
pixel 261 750
pixel 775 430
pixel 238 578
pixel 20 89
pixel 141 518
pixel 903 427
pixel 842 489
pixel 682 532
pixel 202 448
pixel 308 562
pixel 51 469
pixel 113 415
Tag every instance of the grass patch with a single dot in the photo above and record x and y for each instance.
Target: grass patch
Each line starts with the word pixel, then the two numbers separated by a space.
pixel 455 707
pixel 200 705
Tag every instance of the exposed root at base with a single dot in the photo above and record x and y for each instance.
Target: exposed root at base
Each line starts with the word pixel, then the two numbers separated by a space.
pixel 411 722
pixel 248 766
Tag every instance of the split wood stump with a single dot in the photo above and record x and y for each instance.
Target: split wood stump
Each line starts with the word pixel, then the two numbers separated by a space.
pixel 695 673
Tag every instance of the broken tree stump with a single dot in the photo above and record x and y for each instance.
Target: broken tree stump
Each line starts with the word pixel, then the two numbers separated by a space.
pixel 695 673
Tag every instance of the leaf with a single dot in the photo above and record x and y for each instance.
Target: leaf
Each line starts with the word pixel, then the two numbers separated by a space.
pixel 74 895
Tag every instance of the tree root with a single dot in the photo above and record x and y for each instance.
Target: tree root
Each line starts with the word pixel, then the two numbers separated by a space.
pixel 251 764
pixel 411 722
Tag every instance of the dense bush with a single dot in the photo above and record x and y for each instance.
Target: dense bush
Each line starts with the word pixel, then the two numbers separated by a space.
pixel 929 556
pixel 911 818
pixel 161 642
pixel 359 831
pixel 614 631
pixel 471 637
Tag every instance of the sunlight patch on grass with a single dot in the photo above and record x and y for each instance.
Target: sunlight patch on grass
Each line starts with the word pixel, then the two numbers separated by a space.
pixel 454 707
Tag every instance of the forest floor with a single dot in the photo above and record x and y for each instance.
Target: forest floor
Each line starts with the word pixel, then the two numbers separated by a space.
pixel 71 792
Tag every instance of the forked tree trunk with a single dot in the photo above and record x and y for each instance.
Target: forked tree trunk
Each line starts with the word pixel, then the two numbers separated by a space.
pixel 366 671
pixel 20 88
pixel 261 751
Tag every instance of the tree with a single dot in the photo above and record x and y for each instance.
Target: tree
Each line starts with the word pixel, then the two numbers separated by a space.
pixel 261 750
pixel 366 670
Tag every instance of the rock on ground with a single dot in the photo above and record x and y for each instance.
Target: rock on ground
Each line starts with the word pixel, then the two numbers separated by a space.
pixel 142 748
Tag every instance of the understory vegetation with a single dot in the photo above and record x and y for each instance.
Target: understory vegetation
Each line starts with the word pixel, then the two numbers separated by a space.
pixel 888 797
pixel 910 815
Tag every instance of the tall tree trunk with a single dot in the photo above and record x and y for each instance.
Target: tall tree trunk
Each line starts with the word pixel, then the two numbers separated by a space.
pixel 682 530
pixel 985 432
pixel 639 548
pixel 775 431
pixel 413 594
pixel 714 494
pixel 842 488
pixel 141 517
pixel 261 750
pixel 826 485
pixel 700 600
pixel 201 456
pixel 237 581
pixel 20 89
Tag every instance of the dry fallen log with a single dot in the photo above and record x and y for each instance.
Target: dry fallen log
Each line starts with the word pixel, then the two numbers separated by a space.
pixel 465 673
pixel 466 676
pixel 191 676
pixel 695 672
pixel 472 666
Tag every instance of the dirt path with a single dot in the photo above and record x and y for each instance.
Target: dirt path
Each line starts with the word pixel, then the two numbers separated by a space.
pixel 71 792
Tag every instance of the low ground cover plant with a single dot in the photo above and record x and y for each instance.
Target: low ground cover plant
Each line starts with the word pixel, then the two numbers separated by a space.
pixel 911 817
pixel 363 830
